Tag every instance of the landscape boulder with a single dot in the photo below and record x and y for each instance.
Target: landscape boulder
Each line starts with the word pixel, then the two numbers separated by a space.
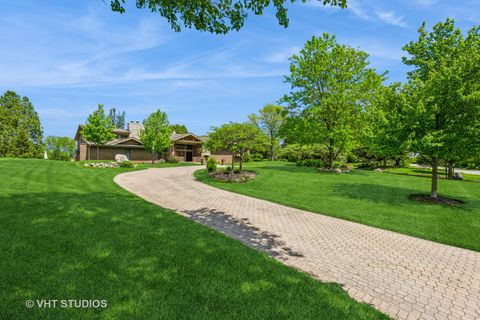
pixel 457 176
pixel 121 157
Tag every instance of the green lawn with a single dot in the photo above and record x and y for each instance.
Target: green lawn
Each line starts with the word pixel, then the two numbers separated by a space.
pixel 69 232
pixel 424 172
pixel 372 198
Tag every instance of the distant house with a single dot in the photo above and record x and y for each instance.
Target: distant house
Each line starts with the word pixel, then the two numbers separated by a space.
pixel 186 147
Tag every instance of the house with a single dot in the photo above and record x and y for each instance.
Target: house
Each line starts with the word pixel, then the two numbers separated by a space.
pixel 185 147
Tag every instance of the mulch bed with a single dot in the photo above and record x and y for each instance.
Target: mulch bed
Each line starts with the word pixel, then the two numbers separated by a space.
pixel 236 177
pixel 439 200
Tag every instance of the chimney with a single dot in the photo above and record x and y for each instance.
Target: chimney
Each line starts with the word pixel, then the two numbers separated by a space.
pixel 134 127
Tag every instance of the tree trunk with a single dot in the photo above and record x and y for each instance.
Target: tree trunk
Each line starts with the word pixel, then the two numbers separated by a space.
pixel 271 150
pixel 97 152
pixel 233 166
pixel 153 158
pixel 384 162
pixel 397 163
pixel 241 165
pixel 434 177
pixel 450 170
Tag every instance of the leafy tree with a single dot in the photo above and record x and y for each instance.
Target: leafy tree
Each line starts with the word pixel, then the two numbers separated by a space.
pixel 387 134
pixel 236 138
pixel 444 94
pixel 20 130
pixel 117 118
pixel 179 128
pixel 60 148
pixel 269 120
pixel 219 16
pixel 98 128
pixel 156 136
pixel 331 85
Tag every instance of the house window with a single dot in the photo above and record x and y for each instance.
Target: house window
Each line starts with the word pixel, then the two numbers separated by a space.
pixel 128 153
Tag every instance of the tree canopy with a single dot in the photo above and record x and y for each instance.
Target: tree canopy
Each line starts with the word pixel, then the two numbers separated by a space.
pixel 156 135
pixel 236 138
pixel 20 130
pixel 98 128
pixel 117 118
pixel 331 84
pixel 219 16
pixel 179 128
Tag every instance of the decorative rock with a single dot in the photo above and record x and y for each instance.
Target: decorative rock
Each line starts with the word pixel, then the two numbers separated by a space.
pixel 337 170
pixel 121 157
pixel 378 170
pixel 161 161
pixel 457 176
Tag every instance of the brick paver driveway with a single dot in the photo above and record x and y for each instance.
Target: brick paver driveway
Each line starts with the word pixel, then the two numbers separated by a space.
pixel 405 277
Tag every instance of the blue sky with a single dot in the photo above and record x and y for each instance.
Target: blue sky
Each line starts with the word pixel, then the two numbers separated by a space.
pixel 69 56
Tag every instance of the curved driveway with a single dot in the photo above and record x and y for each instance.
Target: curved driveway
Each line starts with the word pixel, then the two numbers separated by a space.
pixel 403 276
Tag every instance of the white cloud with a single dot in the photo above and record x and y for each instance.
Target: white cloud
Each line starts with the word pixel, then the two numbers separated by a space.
pixel 280 56
pixel 391 18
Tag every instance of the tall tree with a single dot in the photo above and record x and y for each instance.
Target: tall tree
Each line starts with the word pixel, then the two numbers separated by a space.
pixel 60 148
pixel 20 130
pixel 219 16
pixel 269 119
pixel 157 135
pixel 236 138
pixel 98 128
pixel 179 128
pixel 117 118
pixel 331 85
pixel 444 94
pixel 387 134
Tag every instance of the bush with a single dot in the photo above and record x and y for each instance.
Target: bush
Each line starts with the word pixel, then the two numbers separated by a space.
pixel 211 165
pixel 126 164
pixel 257 157
pixel 316 163
pixel 171 159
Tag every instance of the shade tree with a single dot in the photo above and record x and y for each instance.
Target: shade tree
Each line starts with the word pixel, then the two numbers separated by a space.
pixel 98 129
pixel 270 119
pixel 156 135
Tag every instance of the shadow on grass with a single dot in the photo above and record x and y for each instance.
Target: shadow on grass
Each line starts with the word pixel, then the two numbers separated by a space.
pixel 387 194
pixel 147 262
pixel 242 230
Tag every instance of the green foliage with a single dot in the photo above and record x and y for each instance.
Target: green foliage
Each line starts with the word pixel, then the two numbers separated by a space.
pixel 117 118
pixel 256 157
pixel 444 94
pixel 157 134
pixel 331 85
pixel 269 120
pixel 297 152
pixel 60 148
pixel 387 133
pixel 218 17
pixel 98 128
pixel 126 164
pixel 211 164
pixel 20 130
pixel 171 159
pixel 236 138
pixel 179 128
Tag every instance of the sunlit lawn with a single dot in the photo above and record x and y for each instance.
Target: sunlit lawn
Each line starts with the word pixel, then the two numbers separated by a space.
pixel 69 232
pixel 372 198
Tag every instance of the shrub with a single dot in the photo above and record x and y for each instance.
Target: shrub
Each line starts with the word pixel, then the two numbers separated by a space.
pixel 171 159
pixel 257 157
pixel 211 165
pixel 126 164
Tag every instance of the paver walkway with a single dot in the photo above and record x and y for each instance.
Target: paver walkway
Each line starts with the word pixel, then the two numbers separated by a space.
pixel 404 277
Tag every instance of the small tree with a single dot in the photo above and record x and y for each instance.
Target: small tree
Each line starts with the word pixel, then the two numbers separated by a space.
pixel 269 120
pixel 331 85
pixel 157 134
pixel 211 164
pixel 444 94
pixel 60 148
pixel 98 128
pixel 236 138
pixel 179 128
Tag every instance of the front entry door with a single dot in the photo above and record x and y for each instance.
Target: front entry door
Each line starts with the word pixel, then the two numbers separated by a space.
pixel 189 156
pixel 128 153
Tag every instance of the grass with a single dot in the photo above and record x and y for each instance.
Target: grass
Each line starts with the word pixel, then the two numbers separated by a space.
pixel 425 172
pixel 69 232
pixel 372 198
